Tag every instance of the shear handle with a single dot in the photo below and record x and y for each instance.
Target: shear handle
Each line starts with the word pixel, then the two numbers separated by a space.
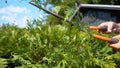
pixel 110 40
pixel 102 28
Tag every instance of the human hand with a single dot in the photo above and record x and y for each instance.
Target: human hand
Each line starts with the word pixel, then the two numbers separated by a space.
pixel 116 46
pixel 111 27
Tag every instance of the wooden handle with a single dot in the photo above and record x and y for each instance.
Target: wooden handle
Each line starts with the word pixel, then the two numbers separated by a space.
pixel 102 28
pixel 110 40
pixel 101 37
pixel 94 27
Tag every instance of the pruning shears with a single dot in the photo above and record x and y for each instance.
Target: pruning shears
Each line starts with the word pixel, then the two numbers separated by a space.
pixel 103 28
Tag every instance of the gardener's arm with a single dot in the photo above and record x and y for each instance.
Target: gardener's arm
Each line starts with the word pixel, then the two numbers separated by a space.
pixel 111 26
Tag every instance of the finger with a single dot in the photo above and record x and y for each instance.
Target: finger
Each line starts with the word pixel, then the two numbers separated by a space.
pixel 103 24
pixel 112 46
pixel 117 37
pixel 115 46
pixel 109 29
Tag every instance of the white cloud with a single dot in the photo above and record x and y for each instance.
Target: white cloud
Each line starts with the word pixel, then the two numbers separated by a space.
pixel 14 9
pixel 12 15
pixel 23 21
pixel 12 20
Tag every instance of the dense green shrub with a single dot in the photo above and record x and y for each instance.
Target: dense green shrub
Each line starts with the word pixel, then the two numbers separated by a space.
pixel 53 46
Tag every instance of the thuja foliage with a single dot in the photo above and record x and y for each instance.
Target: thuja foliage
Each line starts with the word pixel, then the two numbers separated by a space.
pixel 53 46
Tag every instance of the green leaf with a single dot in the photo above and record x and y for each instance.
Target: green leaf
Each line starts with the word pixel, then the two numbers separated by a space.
pixel 3 63
pixel 57 9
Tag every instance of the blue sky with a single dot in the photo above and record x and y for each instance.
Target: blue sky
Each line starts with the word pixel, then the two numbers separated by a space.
pixel 17 12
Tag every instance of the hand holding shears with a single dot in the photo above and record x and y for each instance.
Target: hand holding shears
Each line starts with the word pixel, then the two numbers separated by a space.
pixel 108 27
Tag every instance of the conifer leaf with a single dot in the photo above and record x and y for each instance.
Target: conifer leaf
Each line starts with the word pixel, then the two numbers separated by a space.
pixel 57 9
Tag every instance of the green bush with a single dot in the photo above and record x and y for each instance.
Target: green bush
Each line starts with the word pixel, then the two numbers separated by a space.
pixel 53 46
